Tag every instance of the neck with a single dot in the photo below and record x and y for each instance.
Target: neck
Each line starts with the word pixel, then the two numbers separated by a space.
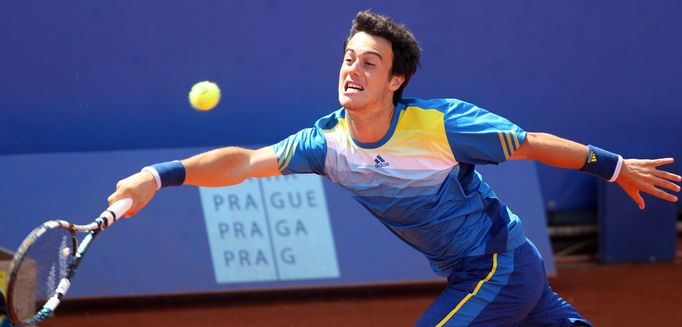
pixel 371 124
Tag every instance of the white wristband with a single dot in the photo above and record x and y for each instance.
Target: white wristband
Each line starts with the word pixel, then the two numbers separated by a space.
pixel 616 172
pixel 154 173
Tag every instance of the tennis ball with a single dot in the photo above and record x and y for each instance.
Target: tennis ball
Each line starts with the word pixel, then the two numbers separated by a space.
pixel 204 95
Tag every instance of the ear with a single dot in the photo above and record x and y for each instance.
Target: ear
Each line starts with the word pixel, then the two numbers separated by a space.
pixel 395 82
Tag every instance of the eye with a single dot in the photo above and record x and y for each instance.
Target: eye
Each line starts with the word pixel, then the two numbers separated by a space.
pixel 369 63
pixel 348 60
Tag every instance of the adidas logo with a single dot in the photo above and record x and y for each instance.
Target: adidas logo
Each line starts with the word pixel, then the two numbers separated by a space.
pixel 380 162
pixel 593 157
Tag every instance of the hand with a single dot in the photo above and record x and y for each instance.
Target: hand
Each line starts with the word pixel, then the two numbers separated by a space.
pixel 637 175
pixel 140 187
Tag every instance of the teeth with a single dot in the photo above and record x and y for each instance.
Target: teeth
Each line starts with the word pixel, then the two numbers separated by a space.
pixel 354 86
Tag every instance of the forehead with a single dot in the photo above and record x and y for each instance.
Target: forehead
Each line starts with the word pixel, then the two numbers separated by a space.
pixel 362 42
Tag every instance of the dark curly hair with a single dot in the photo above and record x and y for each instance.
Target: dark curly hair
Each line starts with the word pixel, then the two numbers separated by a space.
pixel 406 51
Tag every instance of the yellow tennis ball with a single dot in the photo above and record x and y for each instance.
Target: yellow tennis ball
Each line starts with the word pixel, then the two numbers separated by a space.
pixel 204 95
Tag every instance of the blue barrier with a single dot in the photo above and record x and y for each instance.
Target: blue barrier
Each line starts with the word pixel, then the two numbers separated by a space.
pixel 628 234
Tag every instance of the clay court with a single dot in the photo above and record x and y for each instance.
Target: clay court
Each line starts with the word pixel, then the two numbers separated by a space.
pixel 608 295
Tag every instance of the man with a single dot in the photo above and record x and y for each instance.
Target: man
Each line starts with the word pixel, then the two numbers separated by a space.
pixel 411 162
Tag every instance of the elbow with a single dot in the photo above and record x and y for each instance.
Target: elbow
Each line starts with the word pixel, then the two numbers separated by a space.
pixel 231 166
pixel 527 150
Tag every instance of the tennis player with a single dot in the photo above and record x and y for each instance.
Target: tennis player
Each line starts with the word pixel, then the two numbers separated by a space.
pixel 411 163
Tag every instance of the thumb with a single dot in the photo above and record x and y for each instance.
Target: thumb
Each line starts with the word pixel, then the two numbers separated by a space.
pixel 634 194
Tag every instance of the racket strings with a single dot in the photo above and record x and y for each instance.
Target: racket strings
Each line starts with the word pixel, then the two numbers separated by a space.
pixel 44 265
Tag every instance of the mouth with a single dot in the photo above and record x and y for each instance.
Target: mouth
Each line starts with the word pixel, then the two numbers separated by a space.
pixel 352 87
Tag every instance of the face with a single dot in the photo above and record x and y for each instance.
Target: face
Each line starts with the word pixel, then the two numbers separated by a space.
pixel 365 78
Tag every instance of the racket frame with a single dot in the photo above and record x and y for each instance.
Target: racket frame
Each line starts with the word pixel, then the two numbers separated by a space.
pixel 105 219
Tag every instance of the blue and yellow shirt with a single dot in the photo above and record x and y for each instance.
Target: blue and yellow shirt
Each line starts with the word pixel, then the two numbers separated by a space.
pixel 419 179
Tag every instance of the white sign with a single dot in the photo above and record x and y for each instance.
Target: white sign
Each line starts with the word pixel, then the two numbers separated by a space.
pixel 269 229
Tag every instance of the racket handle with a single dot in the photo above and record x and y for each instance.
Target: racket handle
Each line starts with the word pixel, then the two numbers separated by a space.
pixel 114 212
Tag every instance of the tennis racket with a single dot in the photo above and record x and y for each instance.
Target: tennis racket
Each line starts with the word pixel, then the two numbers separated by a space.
pixel 45 264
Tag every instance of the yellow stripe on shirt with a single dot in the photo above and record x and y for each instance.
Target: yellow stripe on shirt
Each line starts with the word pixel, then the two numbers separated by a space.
pixel 288 157
pixel 280 155
pixel 476 289
pixel 516 139
pixel 512 149
pixel 504 145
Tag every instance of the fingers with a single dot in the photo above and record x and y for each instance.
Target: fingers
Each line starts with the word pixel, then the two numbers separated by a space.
pixel 667 175
pixel 649 185
pixel 140 187
pixel 643 176
pixel 133 210
pixel 633 190
pixel 663 179
pixel 660 182
pixel 121 193
pixel 662 173
pixel 662 161
pixel 117 195
pixel 660 194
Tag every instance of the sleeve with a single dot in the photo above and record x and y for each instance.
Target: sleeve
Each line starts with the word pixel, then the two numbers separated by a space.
pixel 478 136
pixel 302 153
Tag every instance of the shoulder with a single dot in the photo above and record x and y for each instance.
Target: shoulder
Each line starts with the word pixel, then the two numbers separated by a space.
pixel 331 120
pixel 316 136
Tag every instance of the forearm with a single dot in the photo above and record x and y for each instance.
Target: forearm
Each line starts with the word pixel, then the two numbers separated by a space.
pixel 229 166
pixel 551 150
pixel 221 167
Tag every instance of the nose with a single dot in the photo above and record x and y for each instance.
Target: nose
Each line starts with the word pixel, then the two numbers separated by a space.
pixel 354 69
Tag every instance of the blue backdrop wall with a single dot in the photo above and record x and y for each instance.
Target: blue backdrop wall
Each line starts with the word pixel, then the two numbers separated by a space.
pixel 104 75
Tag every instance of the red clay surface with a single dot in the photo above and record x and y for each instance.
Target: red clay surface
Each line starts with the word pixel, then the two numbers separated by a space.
pixel 610 295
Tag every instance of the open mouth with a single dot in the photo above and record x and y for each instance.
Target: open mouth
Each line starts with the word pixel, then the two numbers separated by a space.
pixel 352 86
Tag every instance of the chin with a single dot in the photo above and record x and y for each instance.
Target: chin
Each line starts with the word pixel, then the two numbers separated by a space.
pixel 348 103
pixel 345 101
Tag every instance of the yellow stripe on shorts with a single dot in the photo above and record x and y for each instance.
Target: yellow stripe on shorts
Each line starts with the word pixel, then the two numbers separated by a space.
pixel 468 296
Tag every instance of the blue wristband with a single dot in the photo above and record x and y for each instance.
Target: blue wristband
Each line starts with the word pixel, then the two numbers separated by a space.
pixel 602 163
pixel 171 173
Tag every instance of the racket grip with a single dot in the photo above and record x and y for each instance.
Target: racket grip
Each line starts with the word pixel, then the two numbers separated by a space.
pixel 115 212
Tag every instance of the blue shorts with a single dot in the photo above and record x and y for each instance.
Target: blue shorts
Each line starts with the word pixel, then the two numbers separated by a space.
pixel 506 289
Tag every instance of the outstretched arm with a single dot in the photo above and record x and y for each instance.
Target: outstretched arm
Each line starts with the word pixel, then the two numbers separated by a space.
pixel 230 166
pixel 635 176
pixel 220 167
